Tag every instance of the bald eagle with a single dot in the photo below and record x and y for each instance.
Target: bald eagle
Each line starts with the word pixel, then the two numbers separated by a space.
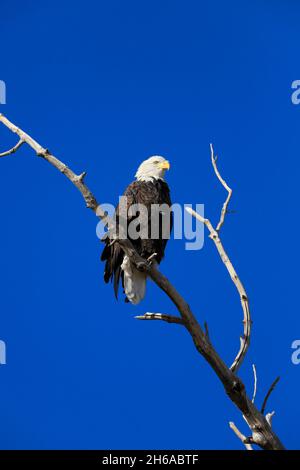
pixel 152 192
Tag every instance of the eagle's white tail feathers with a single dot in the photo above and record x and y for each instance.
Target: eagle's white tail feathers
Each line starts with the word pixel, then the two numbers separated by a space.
pixel 134 282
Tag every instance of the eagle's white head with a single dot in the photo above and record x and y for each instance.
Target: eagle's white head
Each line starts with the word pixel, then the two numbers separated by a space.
pixel 152 168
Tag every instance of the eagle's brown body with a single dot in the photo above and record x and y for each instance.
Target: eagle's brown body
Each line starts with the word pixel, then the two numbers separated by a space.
pixel 153 191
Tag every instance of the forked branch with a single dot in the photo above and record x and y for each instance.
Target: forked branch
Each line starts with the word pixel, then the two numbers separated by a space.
pixel 269 416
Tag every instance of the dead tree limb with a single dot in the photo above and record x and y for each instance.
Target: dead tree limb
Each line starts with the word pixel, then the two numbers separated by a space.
pixel 225 185
pixel 262 433
pixel 241 436
pixel 264 405
pixel 13 149
pixel 255 383
pixel 160 316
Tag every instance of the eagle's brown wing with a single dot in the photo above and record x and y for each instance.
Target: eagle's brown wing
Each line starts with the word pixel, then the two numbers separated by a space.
pixel 138 192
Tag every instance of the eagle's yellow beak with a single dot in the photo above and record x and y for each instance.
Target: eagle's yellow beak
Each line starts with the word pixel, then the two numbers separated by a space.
pixel 164 165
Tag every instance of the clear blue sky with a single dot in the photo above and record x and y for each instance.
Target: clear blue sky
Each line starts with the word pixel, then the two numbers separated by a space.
pixel 104 85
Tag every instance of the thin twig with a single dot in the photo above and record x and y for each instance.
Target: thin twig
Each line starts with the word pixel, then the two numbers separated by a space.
pixel 255 383
pixel 269 417
pixel 206 330
pixel 240 436
pixel 13 149
pixel 224 210
pixel 263 408
pixel 160 316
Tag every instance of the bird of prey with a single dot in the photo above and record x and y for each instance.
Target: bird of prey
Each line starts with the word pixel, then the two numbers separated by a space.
pixel 153 228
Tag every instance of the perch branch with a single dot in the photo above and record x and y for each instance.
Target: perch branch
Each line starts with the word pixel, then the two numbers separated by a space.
pixel 240 436
pixel 13 149
pixel 234 388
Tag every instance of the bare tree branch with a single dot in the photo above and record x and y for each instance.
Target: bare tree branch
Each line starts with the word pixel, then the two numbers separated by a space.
pixel 269 417
pixel 235 389
pixel 160 316
pixel 13 149
pixel 264 405
pixel 255 383
pixel 223 182
pixel 214 235
pixel 240 436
